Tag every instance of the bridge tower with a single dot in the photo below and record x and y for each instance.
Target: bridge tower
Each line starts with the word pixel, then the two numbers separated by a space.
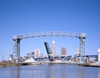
pixel 82 44
pixel 16 47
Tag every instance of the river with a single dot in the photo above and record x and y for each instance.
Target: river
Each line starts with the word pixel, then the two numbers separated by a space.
pixel 50 71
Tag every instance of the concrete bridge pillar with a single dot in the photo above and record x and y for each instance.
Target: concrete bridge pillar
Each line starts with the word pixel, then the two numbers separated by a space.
pixel 99 55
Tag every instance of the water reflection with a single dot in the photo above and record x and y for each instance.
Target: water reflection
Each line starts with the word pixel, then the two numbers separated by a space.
pixel 62 72
pixel 15 72
pixel 37 72
pixel 81 72
pixel 99 73
pixel 50 71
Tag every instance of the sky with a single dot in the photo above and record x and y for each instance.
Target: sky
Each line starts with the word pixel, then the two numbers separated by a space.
pixel 29 16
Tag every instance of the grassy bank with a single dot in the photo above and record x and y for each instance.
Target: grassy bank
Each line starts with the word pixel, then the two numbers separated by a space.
pixel 9 64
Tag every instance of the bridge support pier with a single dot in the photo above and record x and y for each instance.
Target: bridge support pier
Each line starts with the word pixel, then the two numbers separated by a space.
pixel 82 44
pixel 16 48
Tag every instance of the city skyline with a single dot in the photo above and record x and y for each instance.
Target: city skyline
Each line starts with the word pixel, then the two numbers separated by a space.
pixel 18 17
pixel 50 38
pixel 63 50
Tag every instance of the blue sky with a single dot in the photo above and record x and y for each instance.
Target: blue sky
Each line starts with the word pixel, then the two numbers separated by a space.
pixel 28 16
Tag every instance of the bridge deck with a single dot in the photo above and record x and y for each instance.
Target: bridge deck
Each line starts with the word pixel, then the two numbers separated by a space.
pixel 52 62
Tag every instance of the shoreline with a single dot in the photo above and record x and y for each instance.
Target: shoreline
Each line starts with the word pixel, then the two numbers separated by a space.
pixel 10 64
pixel 90 64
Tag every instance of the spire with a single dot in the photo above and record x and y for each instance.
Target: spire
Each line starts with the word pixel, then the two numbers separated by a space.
pixel 77 50
pixel 53 41
pixel 77 46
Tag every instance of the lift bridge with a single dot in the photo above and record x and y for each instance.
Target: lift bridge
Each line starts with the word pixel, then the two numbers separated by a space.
pixel 18 38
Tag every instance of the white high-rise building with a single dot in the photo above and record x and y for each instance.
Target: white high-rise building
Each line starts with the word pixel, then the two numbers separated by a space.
pixel 53 48
pixel 37 52
pixel 77 50
pixel 99 55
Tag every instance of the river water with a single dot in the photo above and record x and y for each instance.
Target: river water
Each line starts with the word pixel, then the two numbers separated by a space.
pixel 50 71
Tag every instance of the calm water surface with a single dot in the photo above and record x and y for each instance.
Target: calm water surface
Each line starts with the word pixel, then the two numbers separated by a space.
pixel 50 71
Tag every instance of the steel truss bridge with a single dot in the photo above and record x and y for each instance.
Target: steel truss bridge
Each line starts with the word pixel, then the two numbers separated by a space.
pixel 18 38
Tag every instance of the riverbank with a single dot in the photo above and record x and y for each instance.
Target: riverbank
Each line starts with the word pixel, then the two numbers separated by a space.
pixel 8 64
pixel 97 64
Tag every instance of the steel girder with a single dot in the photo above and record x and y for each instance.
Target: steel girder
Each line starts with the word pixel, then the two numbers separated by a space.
pixel 50 33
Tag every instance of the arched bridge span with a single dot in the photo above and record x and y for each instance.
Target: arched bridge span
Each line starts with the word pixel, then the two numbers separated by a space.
pixel 17 38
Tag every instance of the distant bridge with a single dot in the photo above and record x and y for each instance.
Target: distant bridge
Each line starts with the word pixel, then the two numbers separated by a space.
pixel 17 38
pixel 46 62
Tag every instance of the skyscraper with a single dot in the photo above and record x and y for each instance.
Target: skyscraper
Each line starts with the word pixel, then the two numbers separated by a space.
pixel 53 48
pixel 63 51
pixel 37 52
pixel 77 50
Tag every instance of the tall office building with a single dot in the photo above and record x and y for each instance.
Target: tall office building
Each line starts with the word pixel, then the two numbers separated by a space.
pixel 53 48
pixel 77 50
pixel 63 51
pixel 37 52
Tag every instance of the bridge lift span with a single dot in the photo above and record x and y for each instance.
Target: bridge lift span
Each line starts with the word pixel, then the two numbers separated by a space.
pixel 48 51
pixel 17 38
